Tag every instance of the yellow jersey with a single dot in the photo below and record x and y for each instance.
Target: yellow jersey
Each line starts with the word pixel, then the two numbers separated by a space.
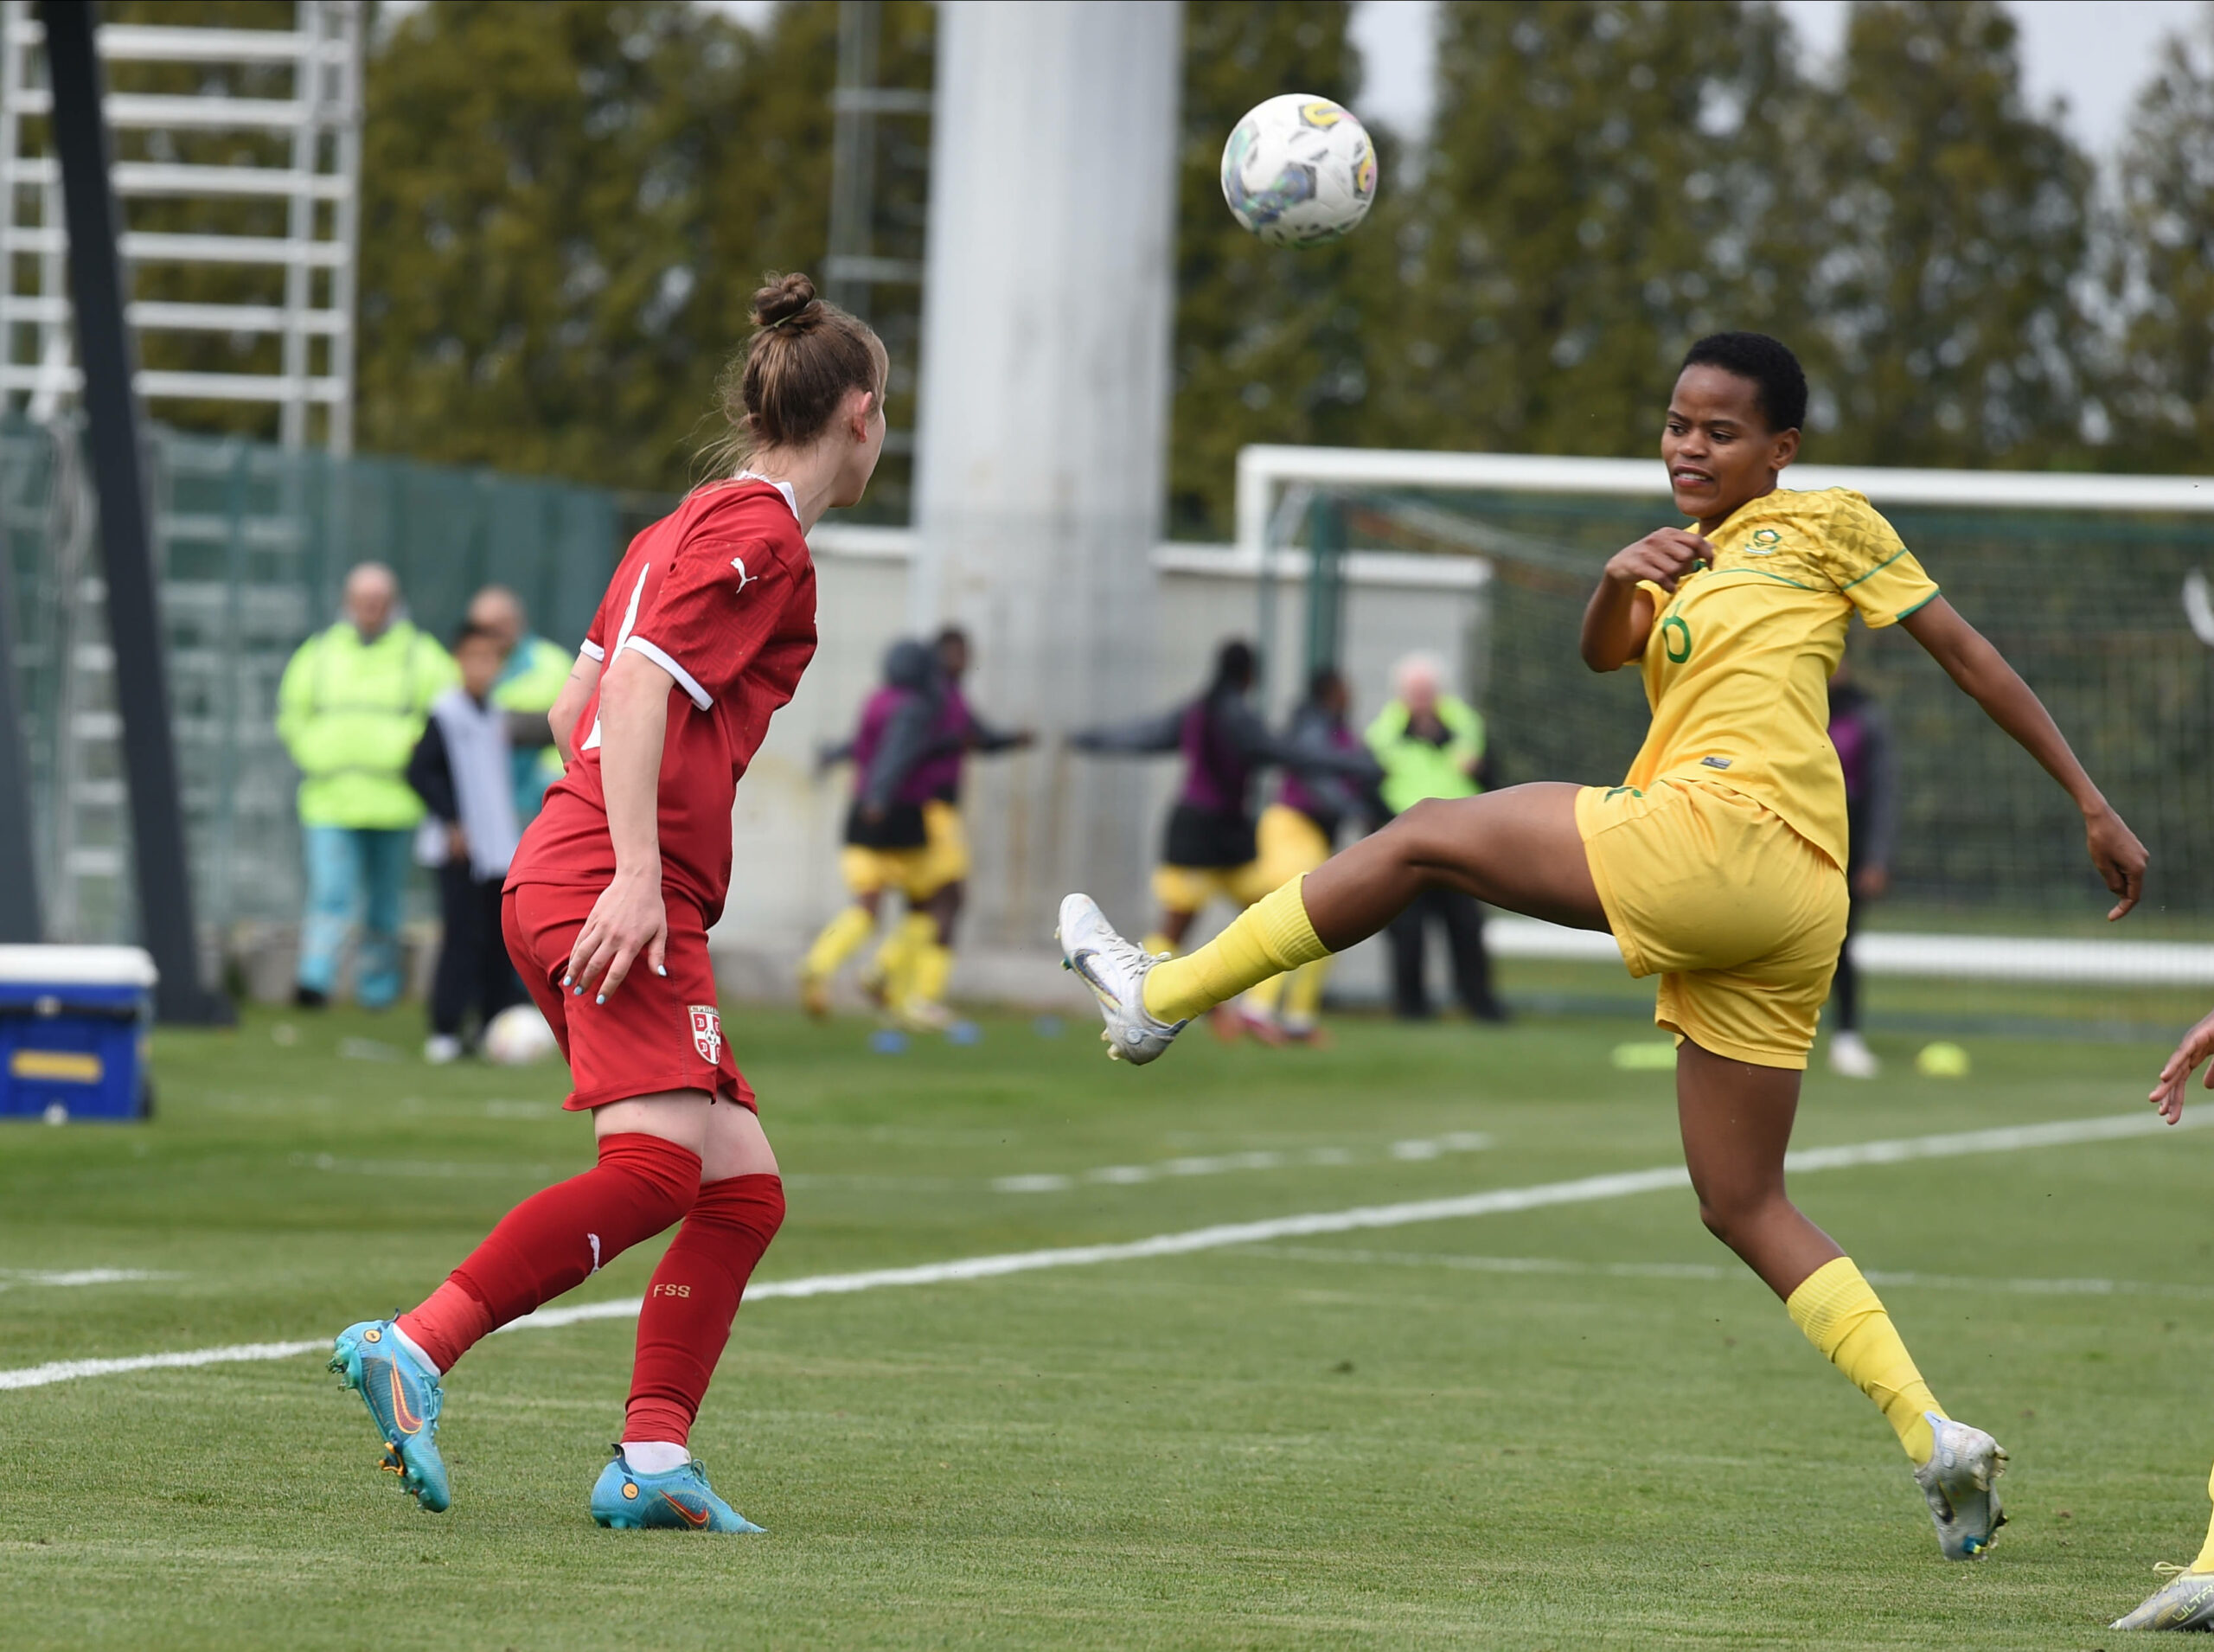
pixel 1738 662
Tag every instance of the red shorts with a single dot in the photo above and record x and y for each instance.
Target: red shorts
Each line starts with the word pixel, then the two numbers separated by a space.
pixel 658 1033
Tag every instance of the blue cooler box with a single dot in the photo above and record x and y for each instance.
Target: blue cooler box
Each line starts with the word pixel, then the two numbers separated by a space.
pixel 73 1021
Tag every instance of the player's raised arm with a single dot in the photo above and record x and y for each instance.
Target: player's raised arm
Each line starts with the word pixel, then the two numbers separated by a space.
pixel 1984 675
pixel 1619 617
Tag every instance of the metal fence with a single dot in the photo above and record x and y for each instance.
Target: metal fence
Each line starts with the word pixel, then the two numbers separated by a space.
pixel 253 543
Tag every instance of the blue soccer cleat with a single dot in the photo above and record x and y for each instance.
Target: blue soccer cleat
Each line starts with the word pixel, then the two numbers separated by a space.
pixel 679 1500
pixel 403 1397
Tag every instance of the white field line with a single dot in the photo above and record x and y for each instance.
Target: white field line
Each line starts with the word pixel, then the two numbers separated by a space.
pixel 1215 1164
pixel 1705 1272
pixel 1223 1236
pixel 10 1278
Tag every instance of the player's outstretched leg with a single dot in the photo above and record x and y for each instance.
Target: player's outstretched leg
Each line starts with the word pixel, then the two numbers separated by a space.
pixel 1519 848
pixel 401 1388
pixel 2186 1600
pixel 1736 1118
pixel 549 1244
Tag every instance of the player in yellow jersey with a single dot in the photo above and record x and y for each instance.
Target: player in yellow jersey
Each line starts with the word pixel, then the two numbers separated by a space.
pixel 2186 1600
pixel 1717 864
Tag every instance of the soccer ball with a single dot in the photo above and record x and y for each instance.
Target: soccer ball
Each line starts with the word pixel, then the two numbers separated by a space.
pixel 1299 170
pixel 517 1036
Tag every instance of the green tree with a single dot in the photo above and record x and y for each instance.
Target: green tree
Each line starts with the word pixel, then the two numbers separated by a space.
pixel 567 207
pixel 1954 224
pixel 533 293
pixel 2162 276
pixel 1608 181
pixel 1270 342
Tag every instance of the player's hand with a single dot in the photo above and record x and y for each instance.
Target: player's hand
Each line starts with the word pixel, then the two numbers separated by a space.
pixel 2118 855
pixel 1663 556
pixel 2175 1077
pixel 627 922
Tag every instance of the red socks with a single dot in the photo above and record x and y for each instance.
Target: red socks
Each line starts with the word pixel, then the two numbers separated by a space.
pixel 693 1300
pixel 554 1241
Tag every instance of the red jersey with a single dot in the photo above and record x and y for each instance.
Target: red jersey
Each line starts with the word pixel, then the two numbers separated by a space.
pixel 719 594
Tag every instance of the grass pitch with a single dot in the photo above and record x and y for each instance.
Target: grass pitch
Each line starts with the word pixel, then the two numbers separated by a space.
pixel 1565 1427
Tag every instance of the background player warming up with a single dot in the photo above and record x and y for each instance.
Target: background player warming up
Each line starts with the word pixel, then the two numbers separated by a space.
pixel 1716 864
pixel 704 632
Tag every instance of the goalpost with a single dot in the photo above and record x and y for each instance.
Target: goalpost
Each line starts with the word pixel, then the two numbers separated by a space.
pixel 2095 586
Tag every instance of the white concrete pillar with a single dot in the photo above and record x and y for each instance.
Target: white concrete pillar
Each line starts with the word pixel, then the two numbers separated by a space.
pixel 1043 421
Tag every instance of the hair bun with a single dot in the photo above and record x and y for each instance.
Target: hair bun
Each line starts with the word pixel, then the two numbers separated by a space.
pixel 783 298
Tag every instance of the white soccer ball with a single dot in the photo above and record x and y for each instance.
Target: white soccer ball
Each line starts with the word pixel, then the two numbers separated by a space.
pixel 1299 170
pixel 517 1036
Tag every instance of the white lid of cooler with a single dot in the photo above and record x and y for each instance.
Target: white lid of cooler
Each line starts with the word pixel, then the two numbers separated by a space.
pixel 77 966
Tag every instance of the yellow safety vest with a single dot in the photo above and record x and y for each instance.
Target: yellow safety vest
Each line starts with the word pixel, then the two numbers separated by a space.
pixel 350 712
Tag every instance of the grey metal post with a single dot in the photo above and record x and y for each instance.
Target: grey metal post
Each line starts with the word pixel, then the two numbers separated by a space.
pixel 1326 581
pixel 165 881
pixel 19 911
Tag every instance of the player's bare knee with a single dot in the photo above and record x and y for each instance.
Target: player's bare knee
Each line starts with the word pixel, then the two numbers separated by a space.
pixel 1426 834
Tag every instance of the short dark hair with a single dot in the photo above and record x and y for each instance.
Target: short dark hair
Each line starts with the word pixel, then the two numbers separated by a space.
pixel 1768 363
pixel 469 629
pixel 1233 665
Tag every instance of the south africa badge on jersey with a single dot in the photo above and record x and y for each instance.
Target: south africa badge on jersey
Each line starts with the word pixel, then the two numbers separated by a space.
pixel 708 1033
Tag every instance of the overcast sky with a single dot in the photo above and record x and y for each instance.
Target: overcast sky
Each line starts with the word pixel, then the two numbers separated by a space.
pixel 2094 53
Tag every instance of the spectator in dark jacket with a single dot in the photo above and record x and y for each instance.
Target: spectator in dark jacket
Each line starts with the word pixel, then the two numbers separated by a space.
pixel 462 770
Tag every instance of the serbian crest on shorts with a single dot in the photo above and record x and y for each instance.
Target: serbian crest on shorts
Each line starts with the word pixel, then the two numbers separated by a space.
pixel 708 1033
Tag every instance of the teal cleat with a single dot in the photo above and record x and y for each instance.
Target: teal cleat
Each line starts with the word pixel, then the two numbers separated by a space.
pixel 680 1500
pixel 403 1397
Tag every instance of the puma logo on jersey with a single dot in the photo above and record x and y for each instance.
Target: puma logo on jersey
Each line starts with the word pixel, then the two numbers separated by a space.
pixel 744 577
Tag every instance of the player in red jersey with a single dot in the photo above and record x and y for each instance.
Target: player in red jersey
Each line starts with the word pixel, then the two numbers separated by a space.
pixel 703 633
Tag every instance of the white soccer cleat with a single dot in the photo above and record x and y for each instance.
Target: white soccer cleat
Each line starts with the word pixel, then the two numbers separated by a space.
pixel 442 1049
pixel 1115 969
pixel 1851 1058
pixel 1960 1480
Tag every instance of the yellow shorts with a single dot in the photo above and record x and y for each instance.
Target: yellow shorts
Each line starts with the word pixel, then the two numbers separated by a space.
pixel 1187 888
pixel 916 873
pixel 1291 845
pixel 1740 917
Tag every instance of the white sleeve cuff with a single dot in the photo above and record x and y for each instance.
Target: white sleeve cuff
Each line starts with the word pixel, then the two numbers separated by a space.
pixel 590 650
pixel 685 680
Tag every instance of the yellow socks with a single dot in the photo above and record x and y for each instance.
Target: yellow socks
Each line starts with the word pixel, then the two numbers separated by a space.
pixel 1268 938
pixel 894 963
pixel 2206 1561
pixel 1844 1318
pixel 1265 996
pixel 929 969
pixel 840 939
pixel 1302 1004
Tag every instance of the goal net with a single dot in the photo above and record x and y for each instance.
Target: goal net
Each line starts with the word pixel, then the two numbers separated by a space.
pixel 2095 587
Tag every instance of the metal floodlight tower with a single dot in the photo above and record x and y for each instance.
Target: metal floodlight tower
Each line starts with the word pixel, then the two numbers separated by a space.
pixel 319 184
